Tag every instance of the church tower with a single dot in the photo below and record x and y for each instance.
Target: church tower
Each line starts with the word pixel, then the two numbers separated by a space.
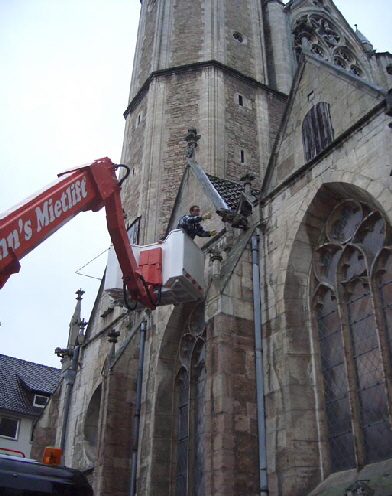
pixel 225 69
pixel 274 117
pixel 203 65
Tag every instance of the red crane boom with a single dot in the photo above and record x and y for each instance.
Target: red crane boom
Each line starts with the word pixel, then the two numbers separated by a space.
pixel 89 187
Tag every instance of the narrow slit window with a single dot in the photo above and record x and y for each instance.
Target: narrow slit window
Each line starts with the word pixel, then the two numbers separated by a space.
pixel 240 100
pixel 242 157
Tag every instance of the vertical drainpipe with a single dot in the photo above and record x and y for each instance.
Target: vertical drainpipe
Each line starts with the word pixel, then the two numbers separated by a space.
pixel 136 414
pixel 69 378
pixel 75 341
pixel 259 365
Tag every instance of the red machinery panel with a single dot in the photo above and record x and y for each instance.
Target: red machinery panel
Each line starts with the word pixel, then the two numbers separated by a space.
pixel 150 265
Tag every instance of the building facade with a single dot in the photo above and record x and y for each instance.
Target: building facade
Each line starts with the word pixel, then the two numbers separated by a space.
pixel 25 390
pixel 276 118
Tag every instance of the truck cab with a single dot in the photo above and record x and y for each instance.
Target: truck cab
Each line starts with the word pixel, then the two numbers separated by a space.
pixel 27 477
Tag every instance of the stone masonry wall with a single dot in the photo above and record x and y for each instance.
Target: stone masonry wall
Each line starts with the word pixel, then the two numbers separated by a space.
pixel 187 31
pixel 143 59
pixel 154 143
pixel 132 156
pixel 240 44
pixel 241 131
pixel 228 32
pixel 115 441
pixel 44 433
pixel 231 430
pixel 183 97
pixel 362 169
pixel 231 464
pixel 276 108
pixel 349 101
pixel 155 149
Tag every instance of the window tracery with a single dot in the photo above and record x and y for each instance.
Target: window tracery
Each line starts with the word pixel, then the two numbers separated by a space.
pixel 352 312
pixel 198 418
pixel 190 411
pixel 319 35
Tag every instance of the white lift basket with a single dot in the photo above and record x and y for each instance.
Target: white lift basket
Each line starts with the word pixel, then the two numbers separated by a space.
pixel 182 270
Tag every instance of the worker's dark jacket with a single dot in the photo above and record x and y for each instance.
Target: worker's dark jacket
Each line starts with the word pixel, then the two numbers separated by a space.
pixel 191 225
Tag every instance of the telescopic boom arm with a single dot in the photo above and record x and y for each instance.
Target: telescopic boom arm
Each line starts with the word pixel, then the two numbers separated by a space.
pixel 89 187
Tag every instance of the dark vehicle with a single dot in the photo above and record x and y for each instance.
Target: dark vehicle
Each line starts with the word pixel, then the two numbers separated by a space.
pixel 26 477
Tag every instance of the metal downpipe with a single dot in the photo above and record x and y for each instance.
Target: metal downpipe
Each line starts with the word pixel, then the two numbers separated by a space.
pixel 69 378
pixel 259 365
pixel 136 414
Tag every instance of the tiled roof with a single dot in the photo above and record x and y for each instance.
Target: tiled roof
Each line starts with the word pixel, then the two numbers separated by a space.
pixel 20 380
pixel 228 190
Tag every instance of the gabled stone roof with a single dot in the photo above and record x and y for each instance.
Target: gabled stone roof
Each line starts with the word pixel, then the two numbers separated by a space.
pixel 226 196
pixel 229 190
pixel 20 380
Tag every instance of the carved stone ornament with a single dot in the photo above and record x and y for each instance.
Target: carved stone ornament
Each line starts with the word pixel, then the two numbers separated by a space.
pixel 317 34
pixel 191 138
pixel 359 488
pixel 235 219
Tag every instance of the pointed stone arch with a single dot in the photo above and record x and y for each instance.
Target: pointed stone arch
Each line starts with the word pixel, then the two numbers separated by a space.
pixel 299 260
pixel 174 355
pixel 292 353
pixel 315 250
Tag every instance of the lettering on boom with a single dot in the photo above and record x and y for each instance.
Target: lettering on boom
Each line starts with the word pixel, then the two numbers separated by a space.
pixel 49 211
pixel 52 209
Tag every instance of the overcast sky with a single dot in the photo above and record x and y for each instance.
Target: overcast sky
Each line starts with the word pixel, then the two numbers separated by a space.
pixel 66 68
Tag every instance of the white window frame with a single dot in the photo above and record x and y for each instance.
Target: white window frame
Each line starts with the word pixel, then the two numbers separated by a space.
pixel 40 396
pixel 17 427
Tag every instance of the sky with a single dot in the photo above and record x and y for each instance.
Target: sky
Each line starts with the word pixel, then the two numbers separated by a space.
pixel 66 68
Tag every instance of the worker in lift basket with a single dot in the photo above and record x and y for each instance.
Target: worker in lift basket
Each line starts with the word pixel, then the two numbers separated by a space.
pixel 190 223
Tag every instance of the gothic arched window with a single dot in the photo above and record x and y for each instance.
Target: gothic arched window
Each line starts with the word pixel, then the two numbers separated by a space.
pixel 190 418
pixel 317 130
pixel 352 315
pixel 198 417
